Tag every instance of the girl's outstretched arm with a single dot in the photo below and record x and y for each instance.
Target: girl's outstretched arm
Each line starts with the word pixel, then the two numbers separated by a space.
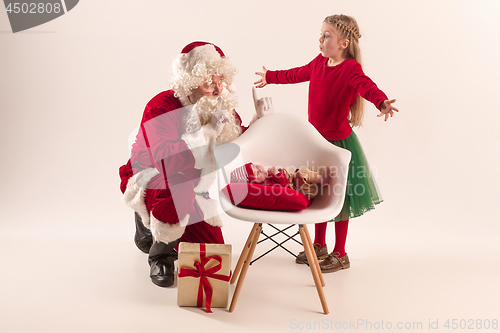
pixel 262 82
pixel 386 109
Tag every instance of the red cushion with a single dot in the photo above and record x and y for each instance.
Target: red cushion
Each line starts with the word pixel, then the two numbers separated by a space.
pixel 258 196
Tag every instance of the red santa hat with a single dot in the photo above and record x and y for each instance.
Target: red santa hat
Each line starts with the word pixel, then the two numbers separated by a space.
pixel 194 53
pixel 196 64
pixel 243 174
pixel 188 48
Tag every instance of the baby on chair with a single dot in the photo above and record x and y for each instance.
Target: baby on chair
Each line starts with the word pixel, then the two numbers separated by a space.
pixel 305 180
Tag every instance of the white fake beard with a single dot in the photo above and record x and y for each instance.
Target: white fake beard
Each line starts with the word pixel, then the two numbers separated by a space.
pixel 206 107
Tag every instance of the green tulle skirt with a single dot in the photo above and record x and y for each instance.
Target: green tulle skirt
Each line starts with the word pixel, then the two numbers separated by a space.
pixel 362 193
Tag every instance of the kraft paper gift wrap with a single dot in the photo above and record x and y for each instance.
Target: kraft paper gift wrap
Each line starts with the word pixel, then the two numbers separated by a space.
pixel 203 271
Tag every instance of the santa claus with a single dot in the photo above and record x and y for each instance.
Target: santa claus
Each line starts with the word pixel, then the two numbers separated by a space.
pixel 171 169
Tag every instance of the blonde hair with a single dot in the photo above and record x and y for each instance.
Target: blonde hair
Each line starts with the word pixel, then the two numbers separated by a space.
pixel 347 28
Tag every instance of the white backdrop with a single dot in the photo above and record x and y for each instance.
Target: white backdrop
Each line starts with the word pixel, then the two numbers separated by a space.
pixel 72 89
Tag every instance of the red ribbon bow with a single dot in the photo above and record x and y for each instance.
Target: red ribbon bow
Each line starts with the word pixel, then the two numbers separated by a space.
pixel 203 274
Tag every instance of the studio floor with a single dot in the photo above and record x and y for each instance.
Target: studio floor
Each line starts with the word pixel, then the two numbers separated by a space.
pixel 60 278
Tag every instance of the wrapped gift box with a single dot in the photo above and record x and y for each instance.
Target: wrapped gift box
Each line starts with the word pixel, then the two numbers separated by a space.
pixel 203 274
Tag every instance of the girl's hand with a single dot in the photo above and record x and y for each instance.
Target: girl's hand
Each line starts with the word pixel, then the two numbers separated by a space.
pixel 387 109
pixel 262 82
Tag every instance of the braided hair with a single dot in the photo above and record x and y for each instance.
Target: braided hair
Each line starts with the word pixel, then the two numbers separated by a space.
pixel 347 28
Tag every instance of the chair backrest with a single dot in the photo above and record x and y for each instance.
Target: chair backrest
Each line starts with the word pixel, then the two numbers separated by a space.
pixel 287 141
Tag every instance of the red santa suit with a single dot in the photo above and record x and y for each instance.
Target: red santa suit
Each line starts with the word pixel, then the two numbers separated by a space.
pixel 167 178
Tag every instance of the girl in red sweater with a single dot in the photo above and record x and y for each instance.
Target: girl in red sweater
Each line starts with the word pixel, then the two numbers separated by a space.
pixel 337 86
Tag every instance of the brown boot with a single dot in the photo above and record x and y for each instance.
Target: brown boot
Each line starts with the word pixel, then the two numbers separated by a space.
pixel 321 253
pixel 333 263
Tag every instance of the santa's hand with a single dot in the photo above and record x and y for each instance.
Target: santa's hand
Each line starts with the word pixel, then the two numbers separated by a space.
pixel 219 118
pixel 263 106
pixel 299 181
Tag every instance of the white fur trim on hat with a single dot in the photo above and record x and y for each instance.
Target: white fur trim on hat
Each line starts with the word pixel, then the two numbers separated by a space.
pixel 165 232
pixel 136 191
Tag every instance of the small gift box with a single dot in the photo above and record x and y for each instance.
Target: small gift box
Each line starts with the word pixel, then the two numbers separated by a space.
pixel 203 274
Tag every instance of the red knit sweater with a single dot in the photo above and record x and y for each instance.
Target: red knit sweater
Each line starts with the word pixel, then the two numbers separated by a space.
pixel 332 91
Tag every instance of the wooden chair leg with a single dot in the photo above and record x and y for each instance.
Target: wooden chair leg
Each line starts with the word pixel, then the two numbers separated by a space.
pixel 308 248
pixel 246 264
pixel 243 254
pixel 315 257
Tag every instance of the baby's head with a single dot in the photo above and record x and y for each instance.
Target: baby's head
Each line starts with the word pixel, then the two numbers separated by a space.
pixel 259 173
pixel 249 173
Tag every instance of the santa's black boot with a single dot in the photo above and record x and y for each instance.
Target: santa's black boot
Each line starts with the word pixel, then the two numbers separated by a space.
pixel 143 238
pixel 161 261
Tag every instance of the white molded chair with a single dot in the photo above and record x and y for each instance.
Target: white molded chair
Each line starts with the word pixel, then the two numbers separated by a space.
pixel 288 141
